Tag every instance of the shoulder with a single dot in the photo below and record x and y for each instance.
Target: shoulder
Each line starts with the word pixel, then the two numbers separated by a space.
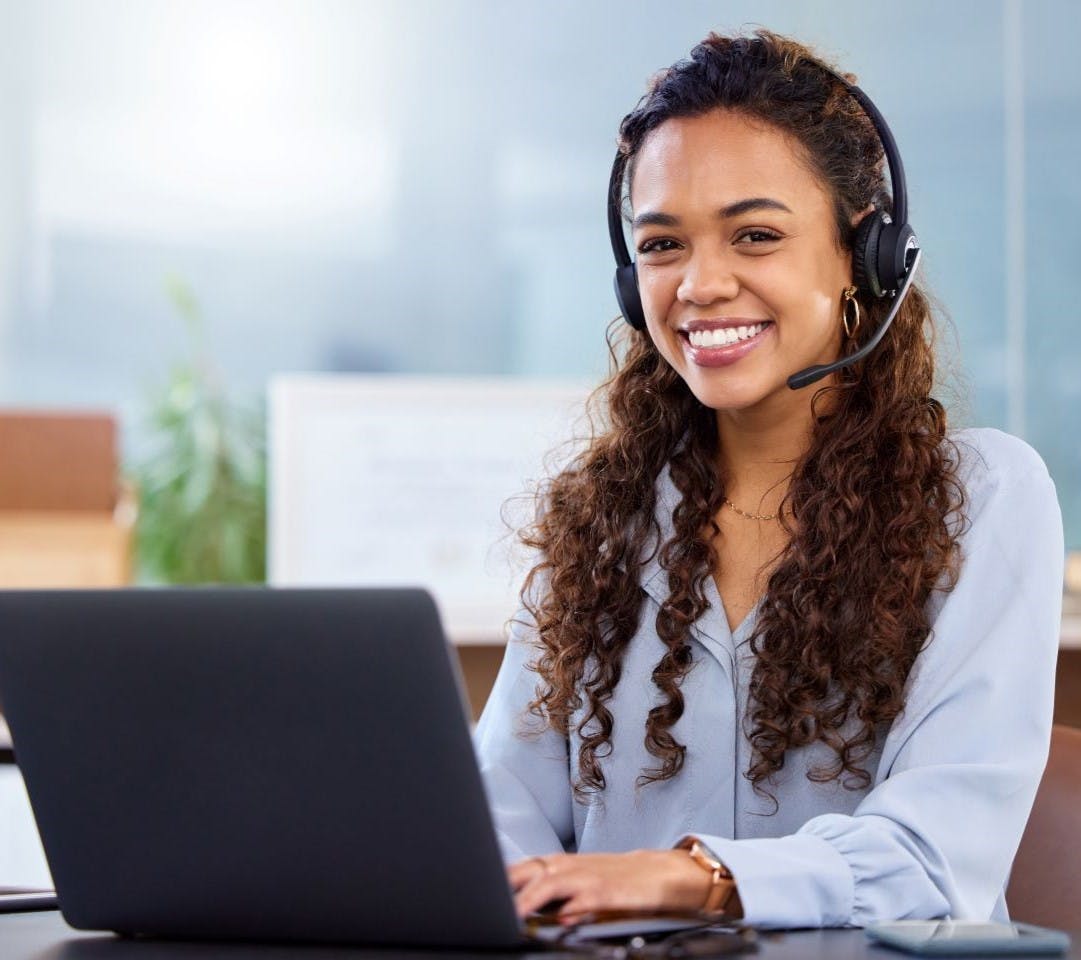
pixel 1009 515
pixel 993 465
pixel 1004 606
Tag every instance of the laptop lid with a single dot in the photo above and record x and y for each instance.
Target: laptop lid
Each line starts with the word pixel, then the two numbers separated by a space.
pixel 253 764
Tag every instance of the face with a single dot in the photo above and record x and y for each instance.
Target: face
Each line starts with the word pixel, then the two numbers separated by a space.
pixel 739 266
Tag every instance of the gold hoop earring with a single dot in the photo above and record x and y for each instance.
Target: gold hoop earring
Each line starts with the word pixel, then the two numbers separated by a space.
pixel 849 297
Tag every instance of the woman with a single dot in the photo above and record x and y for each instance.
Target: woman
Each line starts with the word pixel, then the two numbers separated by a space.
pixel 804 639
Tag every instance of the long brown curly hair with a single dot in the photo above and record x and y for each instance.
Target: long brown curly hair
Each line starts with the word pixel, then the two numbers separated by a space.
pixel 871 513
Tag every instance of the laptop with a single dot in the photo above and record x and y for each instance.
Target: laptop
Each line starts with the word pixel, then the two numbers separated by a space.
pixel 253 764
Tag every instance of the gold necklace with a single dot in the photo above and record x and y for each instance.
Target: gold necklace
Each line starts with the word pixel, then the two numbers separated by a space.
pixel 750 516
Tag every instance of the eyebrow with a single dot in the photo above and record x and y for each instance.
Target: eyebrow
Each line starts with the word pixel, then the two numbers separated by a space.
pixel 650 218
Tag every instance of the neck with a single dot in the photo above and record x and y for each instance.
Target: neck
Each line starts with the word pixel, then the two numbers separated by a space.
pixel 760 446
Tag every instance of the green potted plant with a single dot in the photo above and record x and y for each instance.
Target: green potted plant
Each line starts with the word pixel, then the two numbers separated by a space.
pixel 202 482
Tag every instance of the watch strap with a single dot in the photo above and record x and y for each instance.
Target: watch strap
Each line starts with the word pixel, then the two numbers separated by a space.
pixel 722 888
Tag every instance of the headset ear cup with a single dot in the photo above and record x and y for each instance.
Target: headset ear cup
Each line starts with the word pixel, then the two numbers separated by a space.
pixel 865 254
pixel 893 249
pixel 628 297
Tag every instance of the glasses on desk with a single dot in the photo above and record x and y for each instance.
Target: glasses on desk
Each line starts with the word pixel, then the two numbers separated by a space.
pixel 705 941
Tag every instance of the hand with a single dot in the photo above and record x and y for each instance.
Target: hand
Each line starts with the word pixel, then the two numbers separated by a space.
pixel 643 881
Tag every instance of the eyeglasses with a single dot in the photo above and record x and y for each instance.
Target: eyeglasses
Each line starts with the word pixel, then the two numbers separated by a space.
pixel 709 940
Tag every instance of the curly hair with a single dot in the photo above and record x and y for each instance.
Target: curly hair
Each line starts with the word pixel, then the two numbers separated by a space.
pixel 870 515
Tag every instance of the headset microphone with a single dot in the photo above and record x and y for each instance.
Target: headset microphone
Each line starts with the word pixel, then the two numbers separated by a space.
pixel 885 252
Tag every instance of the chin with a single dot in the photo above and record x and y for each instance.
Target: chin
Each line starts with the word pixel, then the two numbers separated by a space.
pixel 733 393
pixel 733 388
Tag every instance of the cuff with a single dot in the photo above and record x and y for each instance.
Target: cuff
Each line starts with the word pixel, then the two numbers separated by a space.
pixel 788 882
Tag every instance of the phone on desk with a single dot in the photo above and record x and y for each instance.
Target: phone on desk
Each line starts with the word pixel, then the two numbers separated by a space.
pixel 943 938
pixel 17 900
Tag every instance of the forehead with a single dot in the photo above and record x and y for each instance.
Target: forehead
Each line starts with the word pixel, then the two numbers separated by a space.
pixel 721 157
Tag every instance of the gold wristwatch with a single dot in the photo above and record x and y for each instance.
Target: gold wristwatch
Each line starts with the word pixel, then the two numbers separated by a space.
pixel 723 898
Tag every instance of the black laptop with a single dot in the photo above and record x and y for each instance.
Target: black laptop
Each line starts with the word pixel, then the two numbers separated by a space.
pixel 253 764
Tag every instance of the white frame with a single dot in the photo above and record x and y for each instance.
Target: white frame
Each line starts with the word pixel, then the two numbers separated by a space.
pixel 314 414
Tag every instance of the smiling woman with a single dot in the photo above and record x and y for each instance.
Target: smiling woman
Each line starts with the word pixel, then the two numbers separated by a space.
pixel 786 654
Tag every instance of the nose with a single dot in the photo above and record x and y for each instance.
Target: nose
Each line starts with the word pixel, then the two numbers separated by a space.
pixel 707 279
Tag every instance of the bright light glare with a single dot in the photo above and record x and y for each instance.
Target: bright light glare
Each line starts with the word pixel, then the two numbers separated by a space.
pixel 238 70
pixel 241 128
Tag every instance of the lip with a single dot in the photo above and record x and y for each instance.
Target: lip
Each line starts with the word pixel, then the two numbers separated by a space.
pixel 721 356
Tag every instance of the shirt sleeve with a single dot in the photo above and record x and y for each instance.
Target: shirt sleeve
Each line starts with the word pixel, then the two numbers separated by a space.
pixel 960 765
pixel 525 766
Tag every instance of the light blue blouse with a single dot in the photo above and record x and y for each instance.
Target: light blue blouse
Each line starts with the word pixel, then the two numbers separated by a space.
pixel 954 776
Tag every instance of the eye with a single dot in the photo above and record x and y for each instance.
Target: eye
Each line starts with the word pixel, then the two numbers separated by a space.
pixel 757 235
pixel 657 245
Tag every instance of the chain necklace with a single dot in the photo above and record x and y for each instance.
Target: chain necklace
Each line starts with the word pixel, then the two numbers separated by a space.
pixel 750 516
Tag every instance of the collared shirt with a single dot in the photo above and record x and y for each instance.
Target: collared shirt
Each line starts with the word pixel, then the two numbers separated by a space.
pixel 954 775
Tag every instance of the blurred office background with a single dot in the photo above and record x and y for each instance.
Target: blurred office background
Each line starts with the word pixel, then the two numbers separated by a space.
pixel 418 187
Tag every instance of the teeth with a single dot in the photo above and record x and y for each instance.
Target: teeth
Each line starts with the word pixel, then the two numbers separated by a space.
pixel 723 336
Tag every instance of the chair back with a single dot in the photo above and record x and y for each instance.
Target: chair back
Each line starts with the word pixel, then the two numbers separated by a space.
pixel 1045 883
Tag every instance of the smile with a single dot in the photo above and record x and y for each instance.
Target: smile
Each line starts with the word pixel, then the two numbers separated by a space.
pixel 721 346
pixel 720 337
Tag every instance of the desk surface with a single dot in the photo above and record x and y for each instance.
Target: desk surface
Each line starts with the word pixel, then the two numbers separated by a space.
pixel 45 936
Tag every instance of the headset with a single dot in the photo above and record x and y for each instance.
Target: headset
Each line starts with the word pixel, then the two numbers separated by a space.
pixel 885 251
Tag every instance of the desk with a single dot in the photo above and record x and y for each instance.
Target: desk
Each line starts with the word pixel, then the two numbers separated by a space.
pixel 45 936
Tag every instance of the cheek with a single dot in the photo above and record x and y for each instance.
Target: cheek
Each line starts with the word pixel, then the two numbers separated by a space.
pixel 657 288
pixel 805 300
pixel 823 308
pixel 661 338
pixel 820 307
pixel 657 293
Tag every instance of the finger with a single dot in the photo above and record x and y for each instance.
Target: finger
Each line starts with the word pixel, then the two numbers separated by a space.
pixel 579 908
pixel 579 888
pixel 522 872
pixel 548 861
pixel 536 894
pixel 532 896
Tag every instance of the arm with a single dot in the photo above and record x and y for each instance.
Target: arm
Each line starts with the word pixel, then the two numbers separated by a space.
pixel 526 772
pixel 960 766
